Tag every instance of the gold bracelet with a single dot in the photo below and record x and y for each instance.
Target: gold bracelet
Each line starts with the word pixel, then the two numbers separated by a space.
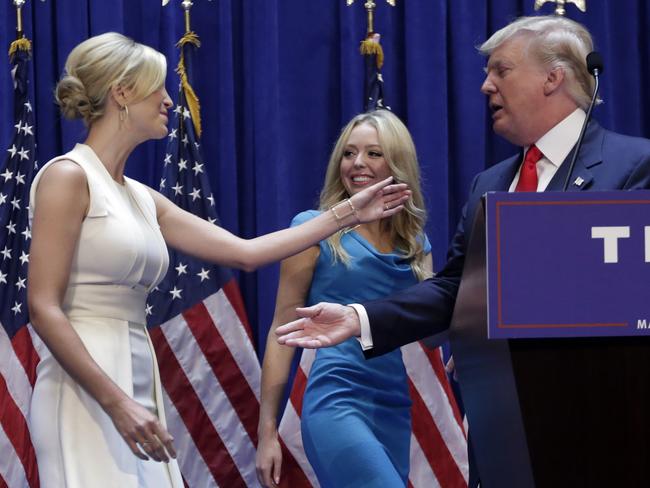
pixel 351 211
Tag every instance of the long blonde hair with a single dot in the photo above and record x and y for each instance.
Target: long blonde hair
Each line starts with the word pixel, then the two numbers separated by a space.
pixel 407 226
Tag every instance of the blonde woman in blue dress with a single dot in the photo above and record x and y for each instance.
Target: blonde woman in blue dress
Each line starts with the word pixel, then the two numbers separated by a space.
pixel 356 419
pixel 98 246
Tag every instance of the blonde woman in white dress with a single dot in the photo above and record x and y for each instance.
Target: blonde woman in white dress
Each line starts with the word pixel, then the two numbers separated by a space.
pixel 98 246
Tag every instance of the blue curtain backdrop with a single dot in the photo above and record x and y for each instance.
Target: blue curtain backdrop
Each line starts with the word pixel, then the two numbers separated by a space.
pixel 278 78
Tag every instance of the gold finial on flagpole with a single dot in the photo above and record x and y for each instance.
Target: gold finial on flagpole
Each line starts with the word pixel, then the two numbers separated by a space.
pixel 190 96
pixel 187 5
pixel 559 5
pixel 19 17
pixel 370 9
pixel 21 43
pixel 188 38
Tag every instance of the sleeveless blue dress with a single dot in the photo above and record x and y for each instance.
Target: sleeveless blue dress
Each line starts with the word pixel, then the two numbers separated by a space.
pixel 356 419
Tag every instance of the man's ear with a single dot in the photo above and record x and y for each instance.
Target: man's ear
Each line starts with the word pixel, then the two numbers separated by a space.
pixel 554 80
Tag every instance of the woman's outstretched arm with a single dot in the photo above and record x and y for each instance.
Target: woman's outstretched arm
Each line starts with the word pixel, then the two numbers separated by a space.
pixel 197 237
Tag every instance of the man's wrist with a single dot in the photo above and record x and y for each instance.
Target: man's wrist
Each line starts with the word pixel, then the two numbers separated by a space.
pixel 365 335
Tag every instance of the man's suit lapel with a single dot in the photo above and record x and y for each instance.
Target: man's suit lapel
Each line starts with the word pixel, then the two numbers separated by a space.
pixel 506 176
pixel 591 154
pixel 492 181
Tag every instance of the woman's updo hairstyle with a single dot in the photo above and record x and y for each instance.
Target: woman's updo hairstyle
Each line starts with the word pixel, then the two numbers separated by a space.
pixel 104 61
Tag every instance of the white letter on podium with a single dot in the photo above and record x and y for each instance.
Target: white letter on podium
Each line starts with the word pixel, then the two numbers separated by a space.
pixel 610 237
pixel 647 244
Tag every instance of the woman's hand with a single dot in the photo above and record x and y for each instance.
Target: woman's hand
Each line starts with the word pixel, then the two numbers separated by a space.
pixel 380 200
pixel 142 431
pixel 268 460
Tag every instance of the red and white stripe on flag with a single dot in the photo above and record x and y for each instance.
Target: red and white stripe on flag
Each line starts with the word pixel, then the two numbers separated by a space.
pixel 438 441
pixel 18 360
pixel 211 377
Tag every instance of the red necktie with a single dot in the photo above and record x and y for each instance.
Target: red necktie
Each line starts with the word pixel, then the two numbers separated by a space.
pixel 528 174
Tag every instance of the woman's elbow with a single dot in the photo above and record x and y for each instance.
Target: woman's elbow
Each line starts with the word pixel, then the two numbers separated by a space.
pixel 248 265
pixel 36 314
pixel 247 258
pixel 39 310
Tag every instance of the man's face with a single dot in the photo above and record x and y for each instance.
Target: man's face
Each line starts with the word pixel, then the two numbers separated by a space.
pixel 515 83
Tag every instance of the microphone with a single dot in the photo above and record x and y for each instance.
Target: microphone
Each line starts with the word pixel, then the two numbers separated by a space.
pixel 594 63
pixel 595 68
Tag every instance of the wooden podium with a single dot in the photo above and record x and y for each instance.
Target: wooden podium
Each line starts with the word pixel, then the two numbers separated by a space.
pixel 550 412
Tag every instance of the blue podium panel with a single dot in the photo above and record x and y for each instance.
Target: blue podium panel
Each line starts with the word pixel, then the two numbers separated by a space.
pixel 573 264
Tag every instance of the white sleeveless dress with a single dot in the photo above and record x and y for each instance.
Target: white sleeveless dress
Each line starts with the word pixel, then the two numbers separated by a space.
pixel 120 256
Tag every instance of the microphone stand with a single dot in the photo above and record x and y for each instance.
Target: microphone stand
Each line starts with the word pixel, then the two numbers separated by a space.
pixel 595 73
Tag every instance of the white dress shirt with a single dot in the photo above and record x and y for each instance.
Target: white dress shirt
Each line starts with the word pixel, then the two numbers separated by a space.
pixel 555 146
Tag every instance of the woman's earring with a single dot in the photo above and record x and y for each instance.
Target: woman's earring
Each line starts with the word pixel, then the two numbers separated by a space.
pixel 124 113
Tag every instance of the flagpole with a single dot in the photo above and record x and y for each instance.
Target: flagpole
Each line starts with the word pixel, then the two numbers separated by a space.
pixel 374 59
pixel 189 38
pixel 370 6
pixel 21 43
pixel 19 18
pixel 187 5
pixel 370 9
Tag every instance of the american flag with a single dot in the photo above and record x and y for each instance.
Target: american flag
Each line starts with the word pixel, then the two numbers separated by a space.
pixel 438 456
pixel 18 344
pixel 197 322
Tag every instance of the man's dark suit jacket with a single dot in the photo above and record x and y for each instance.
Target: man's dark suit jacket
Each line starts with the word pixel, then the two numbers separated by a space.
pixel 607 161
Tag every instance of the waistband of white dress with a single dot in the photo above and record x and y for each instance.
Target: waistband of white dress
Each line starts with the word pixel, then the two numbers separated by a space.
pixel 121 302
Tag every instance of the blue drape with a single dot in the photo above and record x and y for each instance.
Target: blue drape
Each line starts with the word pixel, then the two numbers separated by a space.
pixel 278 78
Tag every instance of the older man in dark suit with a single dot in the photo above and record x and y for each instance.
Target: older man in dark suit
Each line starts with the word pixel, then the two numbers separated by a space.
pixel 538 89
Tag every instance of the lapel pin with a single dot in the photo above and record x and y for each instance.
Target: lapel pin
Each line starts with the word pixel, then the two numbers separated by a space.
pixel 578 181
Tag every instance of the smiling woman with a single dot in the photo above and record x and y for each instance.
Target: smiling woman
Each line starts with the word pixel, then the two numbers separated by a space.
pixel 356 413
pixel 363 160
pixel 97 412
pixel 371 147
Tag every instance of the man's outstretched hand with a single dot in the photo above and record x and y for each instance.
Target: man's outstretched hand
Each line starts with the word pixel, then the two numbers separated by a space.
pixel 321 325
